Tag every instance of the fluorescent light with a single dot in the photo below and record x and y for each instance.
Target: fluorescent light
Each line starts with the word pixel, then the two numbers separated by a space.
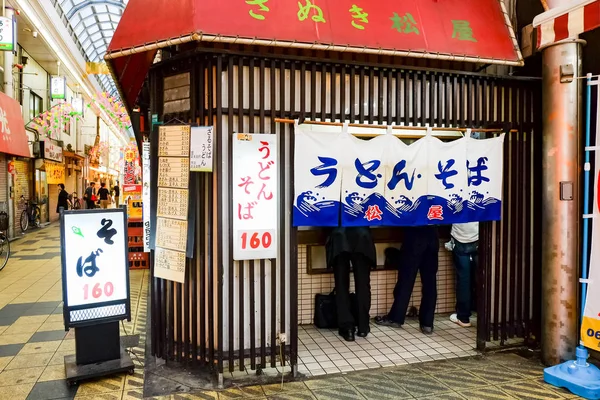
pixel 29 12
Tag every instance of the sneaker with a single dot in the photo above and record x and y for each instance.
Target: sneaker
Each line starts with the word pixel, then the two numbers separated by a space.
pixel 385 321
pixel 454 318
pixel 427 330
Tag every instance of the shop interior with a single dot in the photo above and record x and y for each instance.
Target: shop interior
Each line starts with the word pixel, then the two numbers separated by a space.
pixel 324 351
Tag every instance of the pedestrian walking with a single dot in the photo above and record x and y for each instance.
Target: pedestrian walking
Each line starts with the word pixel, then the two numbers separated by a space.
pixel 104 195
pixel 90 196
pixel 63 198
pixel 117 192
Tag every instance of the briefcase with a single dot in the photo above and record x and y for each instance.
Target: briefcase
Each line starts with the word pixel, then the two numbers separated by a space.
pixel 325 316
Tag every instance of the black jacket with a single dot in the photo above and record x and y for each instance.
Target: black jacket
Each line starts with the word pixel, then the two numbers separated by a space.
pixel 63 200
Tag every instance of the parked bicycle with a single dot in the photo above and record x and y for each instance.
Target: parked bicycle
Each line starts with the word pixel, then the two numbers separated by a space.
pixel 4 243
pixel 31 215
pixel 74 201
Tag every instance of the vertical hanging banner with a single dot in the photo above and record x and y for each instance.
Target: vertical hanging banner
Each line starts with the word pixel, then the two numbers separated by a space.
pixel 318 203
pixel 385 182
pixel 255 203
pixel 172 202
pixel 590 326
pixel 406 184
pixel 446 181
pixel 146 194
pixel 485 160
pixel 364 180
pixel 201 149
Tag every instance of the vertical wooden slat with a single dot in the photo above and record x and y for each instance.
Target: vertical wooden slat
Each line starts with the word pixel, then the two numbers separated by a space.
pixel 352 94
pixel 333 94
pixel 220 194
pixel 380 78
pixel 323 92
pixel 389 97
pixel 227 192
pixel 282 205
pixel 343 74
pixel 274 262
pixel 241 264
pixel 361 96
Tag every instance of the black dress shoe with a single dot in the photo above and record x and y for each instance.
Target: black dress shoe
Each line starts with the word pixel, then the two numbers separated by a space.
pixel 362 334
pixel 347 334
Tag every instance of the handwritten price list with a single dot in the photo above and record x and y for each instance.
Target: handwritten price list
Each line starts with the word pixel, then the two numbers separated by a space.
pixel 172 234
pixel 174 141
pixel 169 264
pixel 172 202
pixel 173 172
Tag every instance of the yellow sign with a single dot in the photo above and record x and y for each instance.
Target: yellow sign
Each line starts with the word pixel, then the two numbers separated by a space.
pixel 55 173
pixel 590 333
pixel 96 68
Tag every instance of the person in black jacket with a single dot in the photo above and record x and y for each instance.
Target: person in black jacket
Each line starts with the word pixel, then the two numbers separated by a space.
pixel 419 253
pixel 63 198
pixel 345 248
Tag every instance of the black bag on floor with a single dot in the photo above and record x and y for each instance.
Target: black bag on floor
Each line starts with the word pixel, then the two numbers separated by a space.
pixel 325 316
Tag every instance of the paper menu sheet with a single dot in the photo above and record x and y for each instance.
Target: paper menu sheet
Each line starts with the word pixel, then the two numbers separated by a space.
pixel 174 141
pixel 169 264
pixel 171 234
pixel 172 202
pixel 173 172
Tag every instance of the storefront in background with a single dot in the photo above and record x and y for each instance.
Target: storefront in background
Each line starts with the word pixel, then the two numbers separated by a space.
pixel 232 315
pixel 50 171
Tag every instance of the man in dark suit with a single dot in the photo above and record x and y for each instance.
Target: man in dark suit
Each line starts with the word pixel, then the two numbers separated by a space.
pixel 419 253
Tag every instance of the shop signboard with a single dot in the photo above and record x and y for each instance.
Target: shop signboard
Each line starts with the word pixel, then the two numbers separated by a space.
pixel 172 202
pixel 385 182
pixel 55 172
pixel 255 193
pixel 95 270
pixel 146 194
pixel 132 194
pixel 201 149
pixel 58 87
pixel 51 150
pixel 77 103
pixel 7 33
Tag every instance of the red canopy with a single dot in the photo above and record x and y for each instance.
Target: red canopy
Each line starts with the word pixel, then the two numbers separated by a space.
pixel 462 30
pixel 13 138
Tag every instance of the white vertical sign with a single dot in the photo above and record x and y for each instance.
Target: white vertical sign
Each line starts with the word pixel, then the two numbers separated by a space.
pixel 201 149
pixel 255 201
pixel 7 34
pixel 146 194
pixel 58 87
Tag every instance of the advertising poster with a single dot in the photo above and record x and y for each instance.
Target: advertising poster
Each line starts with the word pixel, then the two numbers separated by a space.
pixel 254 196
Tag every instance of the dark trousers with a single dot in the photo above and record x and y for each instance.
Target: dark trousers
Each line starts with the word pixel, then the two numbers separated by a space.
pixel 90 204
pixel 418 254
pixel 362 284
pixel 465 263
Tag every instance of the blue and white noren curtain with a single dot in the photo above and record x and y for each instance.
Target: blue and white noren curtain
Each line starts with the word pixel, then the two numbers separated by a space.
pixel 341 180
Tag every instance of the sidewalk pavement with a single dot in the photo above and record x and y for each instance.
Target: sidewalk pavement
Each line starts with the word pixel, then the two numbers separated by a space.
pixel 33 343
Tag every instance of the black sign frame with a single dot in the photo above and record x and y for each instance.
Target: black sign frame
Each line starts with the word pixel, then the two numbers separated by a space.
pixel 126 302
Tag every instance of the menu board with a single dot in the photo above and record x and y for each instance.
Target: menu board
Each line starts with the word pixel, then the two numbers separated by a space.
pixel 169 264
pixel 173 172
pixel 173 234
pixel 201 149
pixel 172 202
pixel 174 141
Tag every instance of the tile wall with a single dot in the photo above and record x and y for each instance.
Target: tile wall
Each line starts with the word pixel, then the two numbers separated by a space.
pixel 382 287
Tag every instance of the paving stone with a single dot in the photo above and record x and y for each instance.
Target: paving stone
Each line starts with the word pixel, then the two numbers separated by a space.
pixel 48 336
pixel 52 390
pixel 30 360
pixel 8 350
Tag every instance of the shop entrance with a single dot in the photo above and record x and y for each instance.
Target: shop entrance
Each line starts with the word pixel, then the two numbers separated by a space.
pixel 256 315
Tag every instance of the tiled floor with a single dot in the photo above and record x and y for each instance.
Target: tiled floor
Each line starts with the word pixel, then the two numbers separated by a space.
pixel 33 341
pixel 499 376
pixel 325 352
pixel 33 344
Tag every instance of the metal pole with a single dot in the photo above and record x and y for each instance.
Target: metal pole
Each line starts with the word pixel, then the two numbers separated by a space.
pixel 561 199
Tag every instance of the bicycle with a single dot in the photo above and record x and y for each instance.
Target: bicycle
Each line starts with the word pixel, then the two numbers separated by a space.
pixel 4 243
pixel 30 215
pixel 74 202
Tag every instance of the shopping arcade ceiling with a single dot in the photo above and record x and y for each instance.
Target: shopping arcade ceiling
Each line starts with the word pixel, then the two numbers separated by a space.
pixel 92 24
